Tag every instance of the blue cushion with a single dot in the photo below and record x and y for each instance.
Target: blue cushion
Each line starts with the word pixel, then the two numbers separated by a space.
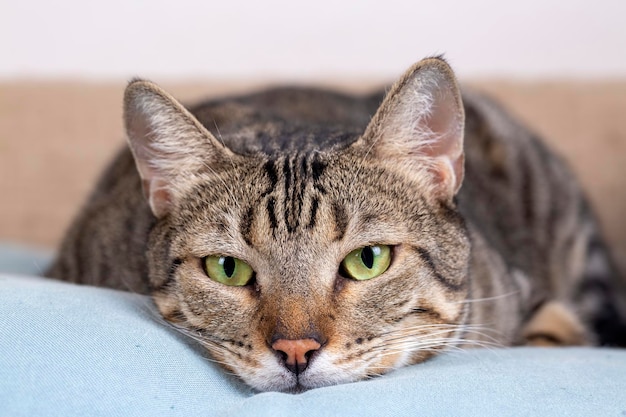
pixel 18 259
pixel 69 350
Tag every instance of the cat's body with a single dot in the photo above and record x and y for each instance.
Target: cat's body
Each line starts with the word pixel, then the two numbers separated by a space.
pixel 292 181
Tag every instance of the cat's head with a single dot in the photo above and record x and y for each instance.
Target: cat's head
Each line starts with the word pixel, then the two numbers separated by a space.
pixel 299 270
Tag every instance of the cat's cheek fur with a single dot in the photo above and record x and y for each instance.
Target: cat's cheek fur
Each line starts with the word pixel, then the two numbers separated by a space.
pixel 168 306
pixel 327 370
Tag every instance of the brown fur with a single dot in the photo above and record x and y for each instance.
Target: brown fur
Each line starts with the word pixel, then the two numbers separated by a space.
pixel 489 231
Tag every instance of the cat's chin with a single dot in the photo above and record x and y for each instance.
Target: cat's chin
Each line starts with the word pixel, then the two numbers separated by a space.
pixel 279 382
pixel 296 387
pixel 285 382
pixel 321 373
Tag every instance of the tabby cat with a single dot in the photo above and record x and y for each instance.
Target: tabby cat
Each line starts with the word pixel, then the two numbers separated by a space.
pixel 309 238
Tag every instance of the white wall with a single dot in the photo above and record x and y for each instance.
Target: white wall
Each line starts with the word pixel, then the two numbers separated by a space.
pixel 289 38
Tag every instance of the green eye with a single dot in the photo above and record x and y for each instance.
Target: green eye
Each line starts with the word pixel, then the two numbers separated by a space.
pixel 228 270
pixel 367 262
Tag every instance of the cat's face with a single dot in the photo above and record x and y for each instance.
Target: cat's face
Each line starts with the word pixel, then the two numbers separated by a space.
pixel 299 290
pixel 303 270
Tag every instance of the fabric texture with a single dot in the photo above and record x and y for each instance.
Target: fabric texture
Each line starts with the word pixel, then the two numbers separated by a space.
pixel 69 350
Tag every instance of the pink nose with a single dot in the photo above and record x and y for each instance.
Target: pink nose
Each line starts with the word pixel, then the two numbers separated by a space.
pixel 296 353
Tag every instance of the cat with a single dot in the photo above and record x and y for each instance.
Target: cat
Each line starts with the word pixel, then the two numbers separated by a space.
pixel 308 237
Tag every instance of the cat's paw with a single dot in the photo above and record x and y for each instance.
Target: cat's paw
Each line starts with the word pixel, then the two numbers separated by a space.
pixel 555 324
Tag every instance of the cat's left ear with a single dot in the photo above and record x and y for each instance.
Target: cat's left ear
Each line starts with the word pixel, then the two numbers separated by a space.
pixel 419 126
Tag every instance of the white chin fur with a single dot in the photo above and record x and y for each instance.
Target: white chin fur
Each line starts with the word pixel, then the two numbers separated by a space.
pixel 272 375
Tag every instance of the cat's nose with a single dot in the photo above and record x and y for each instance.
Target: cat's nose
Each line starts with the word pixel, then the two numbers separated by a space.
pixel 296 353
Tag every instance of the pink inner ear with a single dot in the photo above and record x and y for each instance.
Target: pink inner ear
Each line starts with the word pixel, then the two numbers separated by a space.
pixel 159 197
pixel 445 122
pixel 154 185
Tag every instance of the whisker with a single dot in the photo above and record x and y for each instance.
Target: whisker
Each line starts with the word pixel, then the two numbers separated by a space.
pixel 417 335
pixel 495 297
pixel 426 336
pixel 221 139
pixel 420 327
pixel 441 340
pixel 434 344
pixel 443 326
pixel 210 345
pixel 432 338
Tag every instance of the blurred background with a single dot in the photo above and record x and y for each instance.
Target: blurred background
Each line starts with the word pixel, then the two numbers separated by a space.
pixel 286 39
pixel 560 66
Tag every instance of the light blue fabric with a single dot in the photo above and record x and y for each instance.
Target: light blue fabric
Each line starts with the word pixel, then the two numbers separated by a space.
pixel 18 259
pixel 68 350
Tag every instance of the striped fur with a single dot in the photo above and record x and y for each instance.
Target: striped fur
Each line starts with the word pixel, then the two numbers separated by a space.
pixel 292 180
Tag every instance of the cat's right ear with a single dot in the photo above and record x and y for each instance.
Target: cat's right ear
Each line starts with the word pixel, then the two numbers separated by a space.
pixel 168 143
